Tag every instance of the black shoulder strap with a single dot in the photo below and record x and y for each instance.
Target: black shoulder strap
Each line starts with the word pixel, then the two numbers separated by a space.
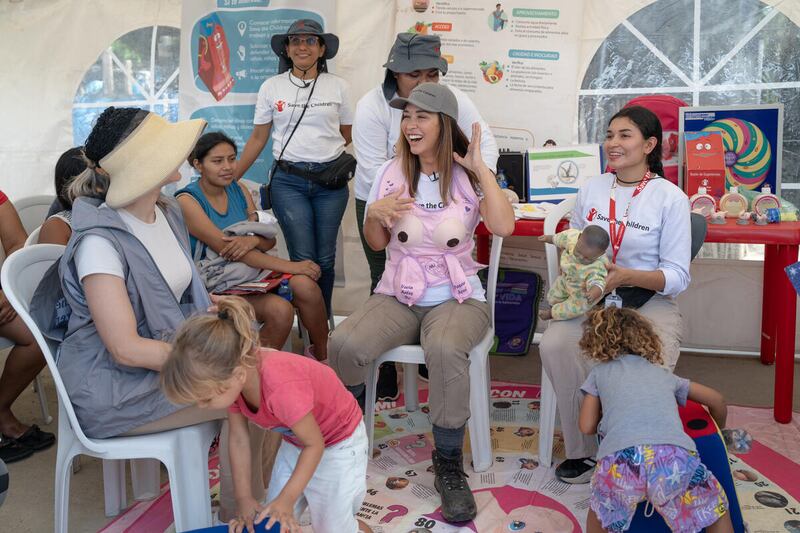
pixel 286 142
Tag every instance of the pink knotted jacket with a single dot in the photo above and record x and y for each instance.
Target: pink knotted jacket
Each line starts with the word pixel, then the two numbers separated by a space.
pixel 428 248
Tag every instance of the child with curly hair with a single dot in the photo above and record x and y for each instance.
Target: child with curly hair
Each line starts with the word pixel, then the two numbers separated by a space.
pixel 630 400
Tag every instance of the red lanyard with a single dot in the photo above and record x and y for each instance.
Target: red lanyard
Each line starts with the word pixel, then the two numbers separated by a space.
pixel 617 231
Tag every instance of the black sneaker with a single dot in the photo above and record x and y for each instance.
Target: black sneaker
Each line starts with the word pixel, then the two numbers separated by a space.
pixel 12 451
pixel 423 373
pixel 458 504
pixel 576 471
pixel 387 383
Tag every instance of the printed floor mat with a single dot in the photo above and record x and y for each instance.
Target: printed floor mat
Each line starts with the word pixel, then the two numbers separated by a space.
pixel 515 494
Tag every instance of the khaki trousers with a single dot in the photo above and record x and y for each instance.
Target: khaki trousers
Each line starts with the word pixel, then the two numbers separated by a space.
pixel 567 367
pixel 447 332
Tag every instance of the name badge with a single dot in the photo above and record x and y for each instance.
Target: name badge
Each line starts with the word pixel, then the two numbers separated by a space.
pixel 612 300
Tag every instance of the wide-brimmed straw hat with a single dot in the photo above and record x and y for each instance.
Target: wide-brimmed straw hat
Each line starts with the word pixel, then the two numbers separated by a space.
pixel 148 156
pixel 410 52
pixel 303 27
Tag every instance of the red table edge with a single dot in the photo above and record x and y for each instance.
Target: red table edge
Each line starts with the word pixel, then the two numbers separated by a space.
pixel 779 305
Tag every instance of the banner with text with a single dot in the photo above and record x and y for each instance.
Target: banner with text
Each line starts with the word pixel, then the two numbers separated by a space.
pixel 226 56
pixel 518 61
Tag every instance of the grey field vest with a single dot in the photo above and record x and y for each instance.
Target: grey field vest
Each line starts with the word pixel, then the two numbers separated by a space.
pixel 109 398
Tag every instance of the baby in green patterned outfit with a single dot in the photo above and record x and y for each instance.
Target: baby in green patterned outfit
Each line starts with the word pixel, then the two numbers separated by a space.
pixel 583 272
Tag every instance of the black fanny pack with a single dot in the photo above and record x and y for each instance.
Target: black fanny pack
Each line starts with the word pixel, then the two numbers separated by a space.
pixel 633 297
pixel 334 176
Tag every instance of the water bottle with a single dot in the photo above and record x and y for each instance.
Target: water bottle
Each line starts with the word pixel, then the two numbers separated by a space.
pixel 502 181
pixel 284 290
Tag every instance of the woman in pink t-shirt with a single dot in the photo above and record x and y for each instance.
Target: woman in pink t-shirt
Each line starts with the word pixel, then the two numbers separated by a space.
pixel 216 362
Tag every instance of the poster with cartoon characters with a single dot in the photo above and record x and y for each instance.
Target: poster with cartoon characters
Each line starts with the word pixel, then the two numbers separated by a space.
pixel 226 56
pixel 516 60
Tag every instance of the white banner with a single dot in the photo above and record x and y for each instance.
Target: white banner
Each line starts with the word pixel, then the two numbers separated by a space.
pixel 226 56
pixel 518 61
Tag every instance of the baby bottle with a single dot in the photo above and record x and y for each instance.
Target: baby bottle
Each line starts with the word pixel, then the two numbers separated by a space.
pixel 733 203
pixel 702 202
pixel 765 200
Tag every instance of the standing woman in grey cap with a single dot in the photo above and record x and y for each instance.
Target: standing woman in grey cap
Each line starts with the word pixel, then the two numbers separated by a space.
pixel 423 209
pixel 307 111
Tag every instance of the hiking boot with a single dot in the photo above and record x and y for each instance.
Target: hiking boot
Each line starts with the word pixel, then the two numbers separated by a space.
pixel 576 471
pixel 458 504
pixel 387 383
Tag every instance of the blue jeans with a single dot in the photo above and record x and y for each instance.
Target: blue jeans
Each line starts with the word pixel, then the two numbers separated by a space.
pixel 310 216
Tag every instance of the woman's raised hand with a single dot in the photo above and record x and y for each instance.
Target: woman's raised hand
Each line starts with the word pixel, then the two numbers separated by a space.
pixel 389 209
pixel 473 160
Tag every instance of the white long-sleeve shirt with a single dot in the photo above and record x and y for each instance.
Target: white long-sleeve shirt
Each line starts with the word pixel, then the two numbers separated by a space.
pixel 376 128
pixel 658 234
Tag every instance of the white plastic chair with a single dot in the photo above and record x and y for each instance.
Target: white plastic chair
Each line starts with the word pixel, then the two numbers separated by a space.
pixel 33 209
pixel 184 451
pixel 33 236
pixel 547 402
pixel 5 343
pixel 479 377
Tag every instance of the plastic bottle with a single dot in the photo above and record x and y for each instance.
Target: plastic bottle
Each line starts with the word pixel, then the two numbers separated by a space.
pixel 502 182
pixel 733 203
pixel 703 203
pixel 284 290
pixel 765 200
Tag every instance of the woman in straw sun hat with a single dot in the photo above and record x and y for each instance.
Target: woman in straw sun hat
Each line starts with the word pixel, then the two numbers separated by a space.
pixel 129 279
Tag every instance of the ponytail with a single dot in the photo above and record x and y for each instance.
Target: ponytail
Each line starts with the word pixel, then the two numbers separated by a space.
pixel 208 348
pixel 654 161
pixel 92 183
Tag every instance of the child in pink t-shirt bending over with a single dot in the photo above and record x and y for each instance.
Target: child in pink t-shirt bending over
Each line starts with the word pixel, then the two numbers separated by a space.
pixel 216 362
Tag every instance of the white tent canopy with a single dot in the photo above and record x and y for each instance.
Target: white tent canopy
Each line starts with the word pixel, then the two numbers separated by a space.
pixel 49 45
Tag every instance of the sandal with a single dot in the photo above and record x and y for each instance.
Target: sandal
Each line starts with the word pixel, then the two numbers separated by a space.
pixel 33 438
pixel 11 451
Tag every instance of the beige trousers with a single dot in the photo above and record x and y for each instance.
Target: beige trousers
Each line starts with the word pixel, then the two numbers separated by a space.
pixel 447 332
pixel 567 368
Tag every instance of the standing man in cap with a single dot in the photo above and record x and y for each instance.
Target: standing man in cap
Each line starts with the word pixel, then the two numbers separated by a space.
pixel 413 59
pixel 307 111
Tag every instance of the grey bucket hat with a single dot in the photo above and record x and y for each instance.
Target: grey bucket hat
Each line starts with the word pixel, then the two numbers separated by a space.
pixel 304 27
pixel 410 52
pixel 431 97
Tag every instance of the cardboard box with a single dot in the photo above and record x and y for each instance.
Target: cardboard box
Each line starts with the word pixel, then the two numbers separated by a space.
pixel 704 164
pixel 556 173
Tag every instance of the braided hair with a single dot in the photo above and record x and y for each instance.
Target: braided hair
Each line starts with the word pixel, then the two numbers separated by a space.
pixel 650 126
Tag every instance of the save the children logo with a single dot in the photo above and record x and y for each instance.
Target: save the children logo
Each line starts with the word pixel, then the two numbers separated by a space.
pixel 279 105
pixel 595 215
